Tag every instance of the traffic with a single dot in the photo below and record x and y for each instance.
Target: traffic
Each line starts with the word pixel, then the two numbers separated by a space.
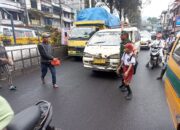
pixel 112 64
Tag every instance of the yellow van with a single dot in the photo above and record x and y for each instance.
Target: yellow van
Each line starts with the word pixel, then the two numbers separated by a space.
pixel 23 35
pixel 172 84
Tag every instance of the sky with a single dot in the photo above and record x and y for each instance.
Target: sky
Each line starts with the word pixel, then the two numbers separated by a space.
pixel 155 8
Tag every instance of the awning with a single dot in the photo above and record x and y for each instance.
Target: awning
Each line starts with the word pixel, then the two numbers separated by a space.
pixel 67 9
pixel 35 13
pixel 9 7
pixel 67 20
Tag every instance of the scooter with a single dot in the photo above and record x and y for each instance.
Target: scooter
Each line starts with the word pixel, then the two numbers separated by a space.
pixel 155 58
pixel 36 117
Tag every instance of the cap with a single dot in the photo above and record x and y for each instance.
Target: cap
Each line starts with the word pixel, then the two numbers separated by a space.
pixel 45 35
pixel 129 46
pixel 124 33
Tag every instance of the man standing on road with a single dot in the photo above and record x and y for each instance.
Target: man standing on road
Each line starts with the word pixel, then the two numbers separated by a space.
pixel 124 41
pixel 4 62
pixel 45 50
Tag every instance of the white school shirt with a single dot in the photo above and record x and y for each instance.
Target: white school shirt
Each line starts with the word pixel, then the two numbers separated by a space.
pixel 126 59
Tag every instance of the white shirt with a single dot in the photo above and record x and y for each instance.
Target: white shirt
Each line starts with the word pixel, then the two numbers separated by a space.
pixel 126 59
pixel 159 43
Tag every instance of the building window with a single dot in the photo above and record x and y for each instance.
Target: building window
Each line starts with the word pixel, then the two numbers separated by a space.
pixel 45 9
pixel 33 4
pixel 14 14
pixel 3 15
pixel 56 10
pixel 47 21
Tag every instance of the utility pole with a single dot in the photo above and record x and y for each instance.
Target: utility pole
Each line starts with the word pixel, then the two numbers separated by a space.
pixel 60 14
pixel 90 3
pixel 12 23
pixel 26 13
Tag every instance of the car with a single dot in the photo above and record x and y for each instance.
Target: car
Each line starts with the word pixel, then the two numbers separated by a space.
pixel 102 52
pixel 145 41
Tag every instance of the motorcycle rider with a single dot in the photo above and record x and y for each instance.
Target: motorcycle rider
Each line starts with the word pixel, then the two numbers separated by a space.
pixel 169 45
pixel 159 42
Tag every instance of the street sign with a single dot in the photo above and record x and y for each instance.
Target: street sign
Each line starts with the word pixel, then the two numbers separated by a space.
pixel 178 21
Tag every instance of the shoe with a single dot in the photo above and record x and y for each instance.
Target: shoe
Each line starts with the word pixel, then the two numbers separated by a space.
pixel 12 87
pixel 123 89
pixel 43 81
pixel 128 97
pixel 121 86
pixel 55 86
pixel 159 78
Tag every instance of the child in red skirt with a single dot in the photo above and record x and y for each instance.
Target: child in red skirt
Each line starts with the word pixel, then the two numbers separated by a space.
pixel 127 62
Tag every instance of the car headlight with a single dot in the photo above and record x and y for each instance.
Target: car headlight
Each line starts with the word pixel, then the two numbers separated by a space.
pixel 115 56
pixel 87 55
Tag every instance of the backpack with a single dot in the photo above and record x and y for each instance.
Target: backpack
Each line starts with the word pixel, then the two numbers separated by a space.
pixel 134 66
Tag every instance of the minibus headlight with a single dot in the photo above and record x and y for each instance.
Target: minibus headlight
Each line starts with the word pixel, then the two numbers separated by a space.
pixel 87 55
pixel 115 56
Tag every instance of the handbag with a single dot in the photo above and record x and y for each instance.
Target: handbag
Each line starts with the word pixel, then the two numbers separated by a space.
pixel 56 62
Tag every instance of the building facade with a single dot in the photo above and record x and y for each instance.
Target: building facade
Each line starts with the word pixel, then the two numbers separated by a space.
pixel 170 19
pixel 49 12
pixel 15 8
pixel 75 4
pixel 37 13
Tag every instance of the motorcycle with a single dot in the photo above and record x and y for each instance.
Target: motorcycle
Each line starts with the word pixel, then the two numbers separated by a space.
pixel 36 117
pixel 155 58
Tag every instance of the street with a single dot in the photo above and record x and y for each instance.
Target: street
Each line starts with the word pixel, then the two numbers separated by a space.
pixel 92 101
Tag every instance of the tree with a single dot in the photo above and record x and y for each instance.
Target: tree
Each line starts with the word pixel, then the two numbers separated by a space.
pixel 132 9
pixel 153 21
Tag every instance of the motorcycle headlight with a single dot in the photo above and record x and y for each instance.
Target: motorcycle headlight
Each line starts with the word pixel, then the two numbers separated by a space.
pixel 87 55
pixel 115 56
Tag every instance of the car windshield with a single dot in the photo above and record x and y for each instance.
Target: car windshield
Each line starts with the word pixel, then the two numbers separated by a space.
pixel 106 39
pixel 84 33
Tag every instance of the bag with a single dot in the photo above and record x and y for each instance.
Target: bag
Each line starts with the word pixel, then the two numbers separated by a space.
pixel 134 66
pixel 56 62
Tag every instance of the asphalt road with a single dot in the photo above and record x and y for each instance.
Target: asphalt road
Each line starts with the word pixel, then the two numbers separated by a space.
pixel 92 101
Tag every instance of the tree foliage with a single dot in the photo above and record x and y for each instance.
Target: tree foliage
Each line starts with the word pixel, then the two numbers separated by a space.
pixel 132 9
pixel 152 20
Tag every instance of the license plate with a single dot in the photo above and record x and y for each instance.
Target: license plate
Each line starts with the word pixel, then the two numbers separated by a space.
pixel 99 61
pixel 72 52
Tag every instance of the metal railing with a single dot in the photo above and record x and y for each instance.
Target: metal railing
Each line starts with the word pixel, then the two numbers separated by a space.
pixel 24 58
